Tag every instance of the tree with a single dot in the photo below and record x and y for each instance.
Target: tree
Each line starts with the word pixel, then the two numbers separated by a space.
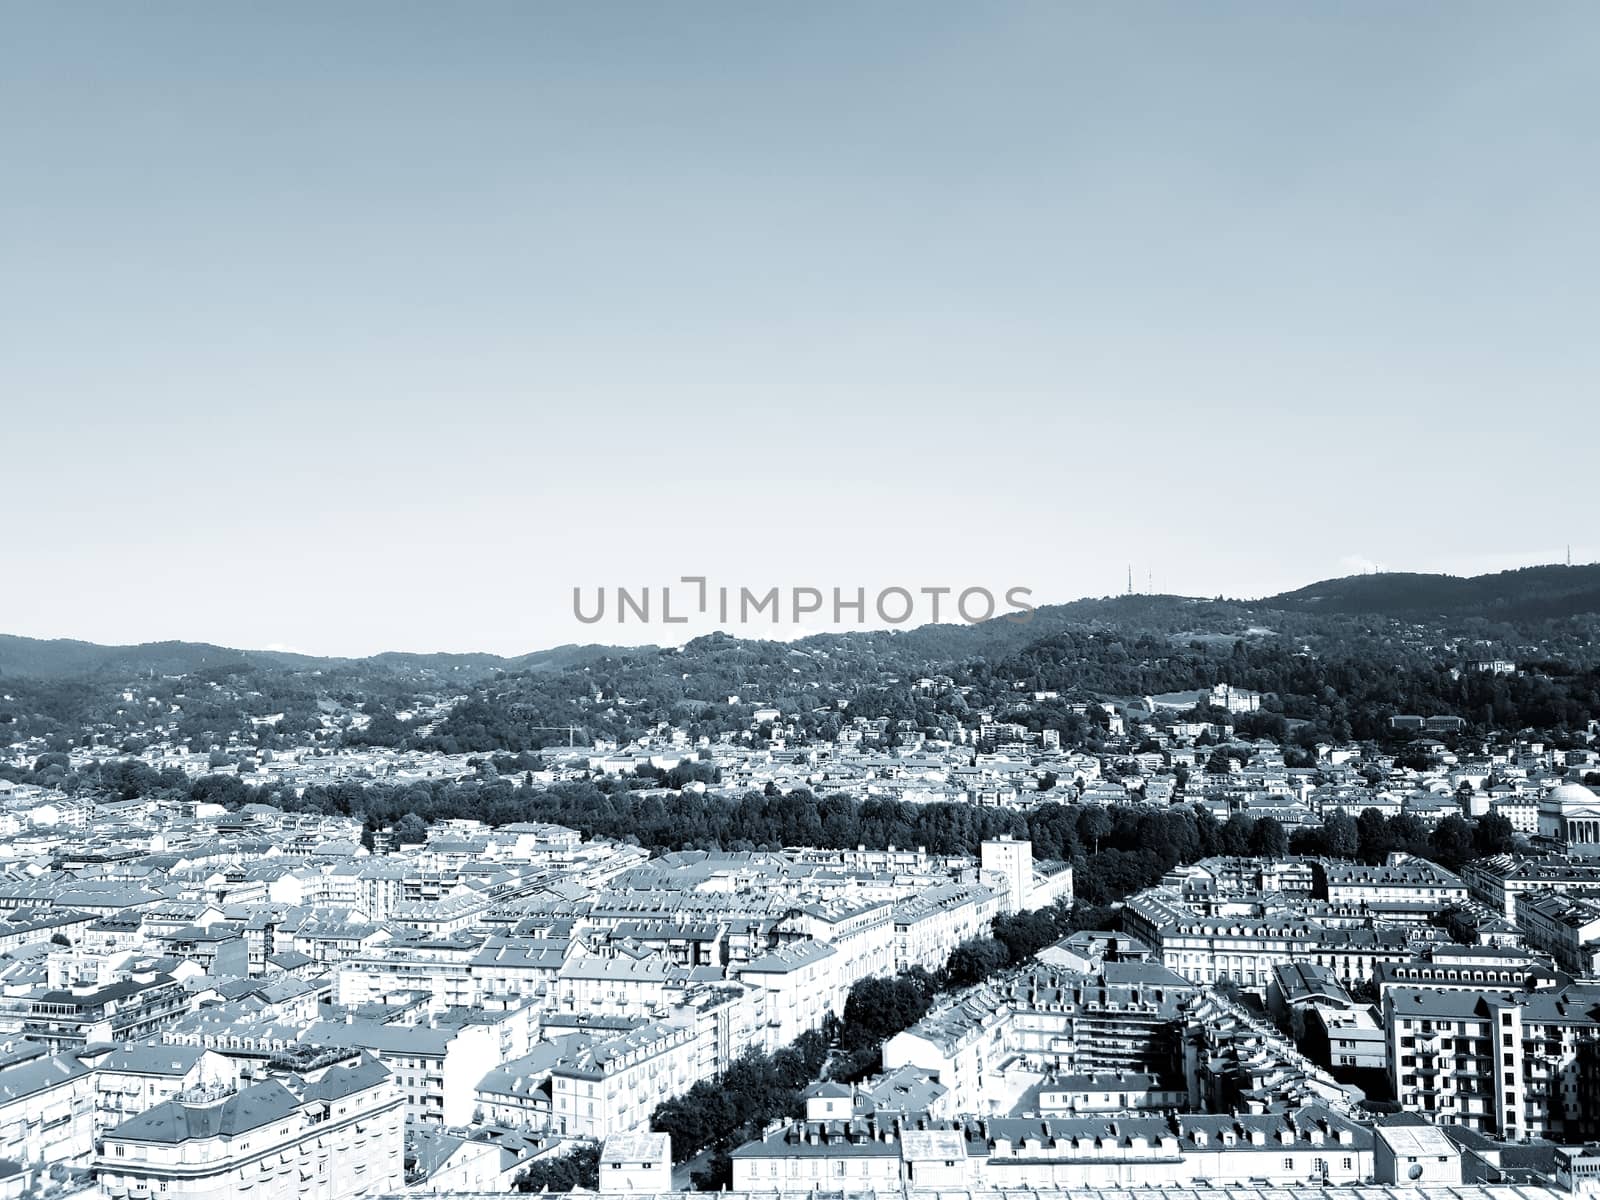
pixel 1234 839
pixel 718 1114
pixel 716 1175
pixel 878 1007
pixel 579 1168
pixel 1267 838
pixel 1372 829
pixel 1340 837
pixel 1452 842
pixel 1024 934
pixel 1093 824
pixel 1493 835
pixel 1409 834
pixel 976 960
pixel 412 830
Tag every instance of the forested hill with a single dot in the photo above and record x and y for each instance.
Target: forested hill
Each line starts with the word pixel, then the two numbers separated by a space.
pixel 1530 594
pixel 1336 659
pixel 1330 608
pixel 62 658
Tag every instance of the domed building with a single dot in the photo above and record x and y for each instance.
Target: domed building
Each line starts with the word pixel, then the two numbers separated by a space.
pixel 1569 819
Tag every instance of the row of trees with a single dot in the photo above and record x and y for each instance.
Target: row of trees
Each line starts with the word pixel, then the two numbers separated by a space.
pixel 1115 850
pixel 1372 837
pixel 721 1114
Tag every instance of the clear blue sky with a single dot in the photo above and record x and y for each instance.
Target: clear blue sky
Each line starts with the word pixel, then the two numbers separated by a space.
pixel 383 325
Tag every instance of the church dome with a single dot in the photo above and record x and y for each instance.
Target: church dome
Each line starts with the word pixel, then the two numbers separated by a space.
pixel 1571 798
pixel 1574 793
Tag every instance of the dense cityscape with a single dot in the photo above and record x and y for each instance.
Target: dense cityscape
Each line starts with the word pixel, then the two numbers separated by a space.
pixel 266 924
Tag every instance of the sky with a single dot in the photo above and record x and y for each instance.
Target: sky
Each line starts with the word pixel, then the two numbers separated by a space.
pixel 387 325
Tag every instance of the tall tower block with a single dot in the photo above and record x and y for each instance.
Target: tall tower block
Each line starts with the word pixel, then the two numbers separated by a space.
pixel 1014 860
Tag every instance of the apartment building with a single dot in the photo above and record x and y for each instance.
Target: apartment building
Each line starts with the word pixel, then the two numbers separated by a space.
pixel 127 1010
pixel 1497 881
pixel 1244 948
pixel 861 933
pixel 1122 1018
pixel 440 968
pixel 1565 925
pixel 1402 880
pixel 612 1085
pixel 802 986
pixel 1235 1062
pixel 868 1152
pixel 931 924
pixel 47 1111
pixel 435 1069
pixel 332 1134
pixel 1513 1065
pixel 519 966
pixel 1468 968
pixel 618 984
pixel 133 1079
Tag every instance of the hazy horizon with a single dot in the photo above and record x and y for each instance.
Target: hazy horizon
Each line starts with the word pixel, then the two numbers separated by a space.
pixel 386 325
pixel 629 636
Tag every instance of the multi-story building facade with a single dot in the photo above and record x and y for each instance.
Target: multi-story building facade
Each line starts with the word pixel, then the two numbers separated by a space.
pixel 135 1078
pixel 1402 880
pixel 436 1070
pixel 612 1086
pixel 1244 949
pixel 439 967
pixel 1565 925
pixel 128 1010
pixel 1122 1018
pixel 1468 968
pixel 47 1111
pixel 1497 881
pixel 1514 1065
pixel 868 1152
pixel 931 924
pixel 334 1134
pixel 801 982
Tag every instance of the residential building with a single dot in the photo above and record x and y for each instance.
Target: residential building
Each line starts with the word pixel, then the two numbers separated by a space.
pixel 334 1134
